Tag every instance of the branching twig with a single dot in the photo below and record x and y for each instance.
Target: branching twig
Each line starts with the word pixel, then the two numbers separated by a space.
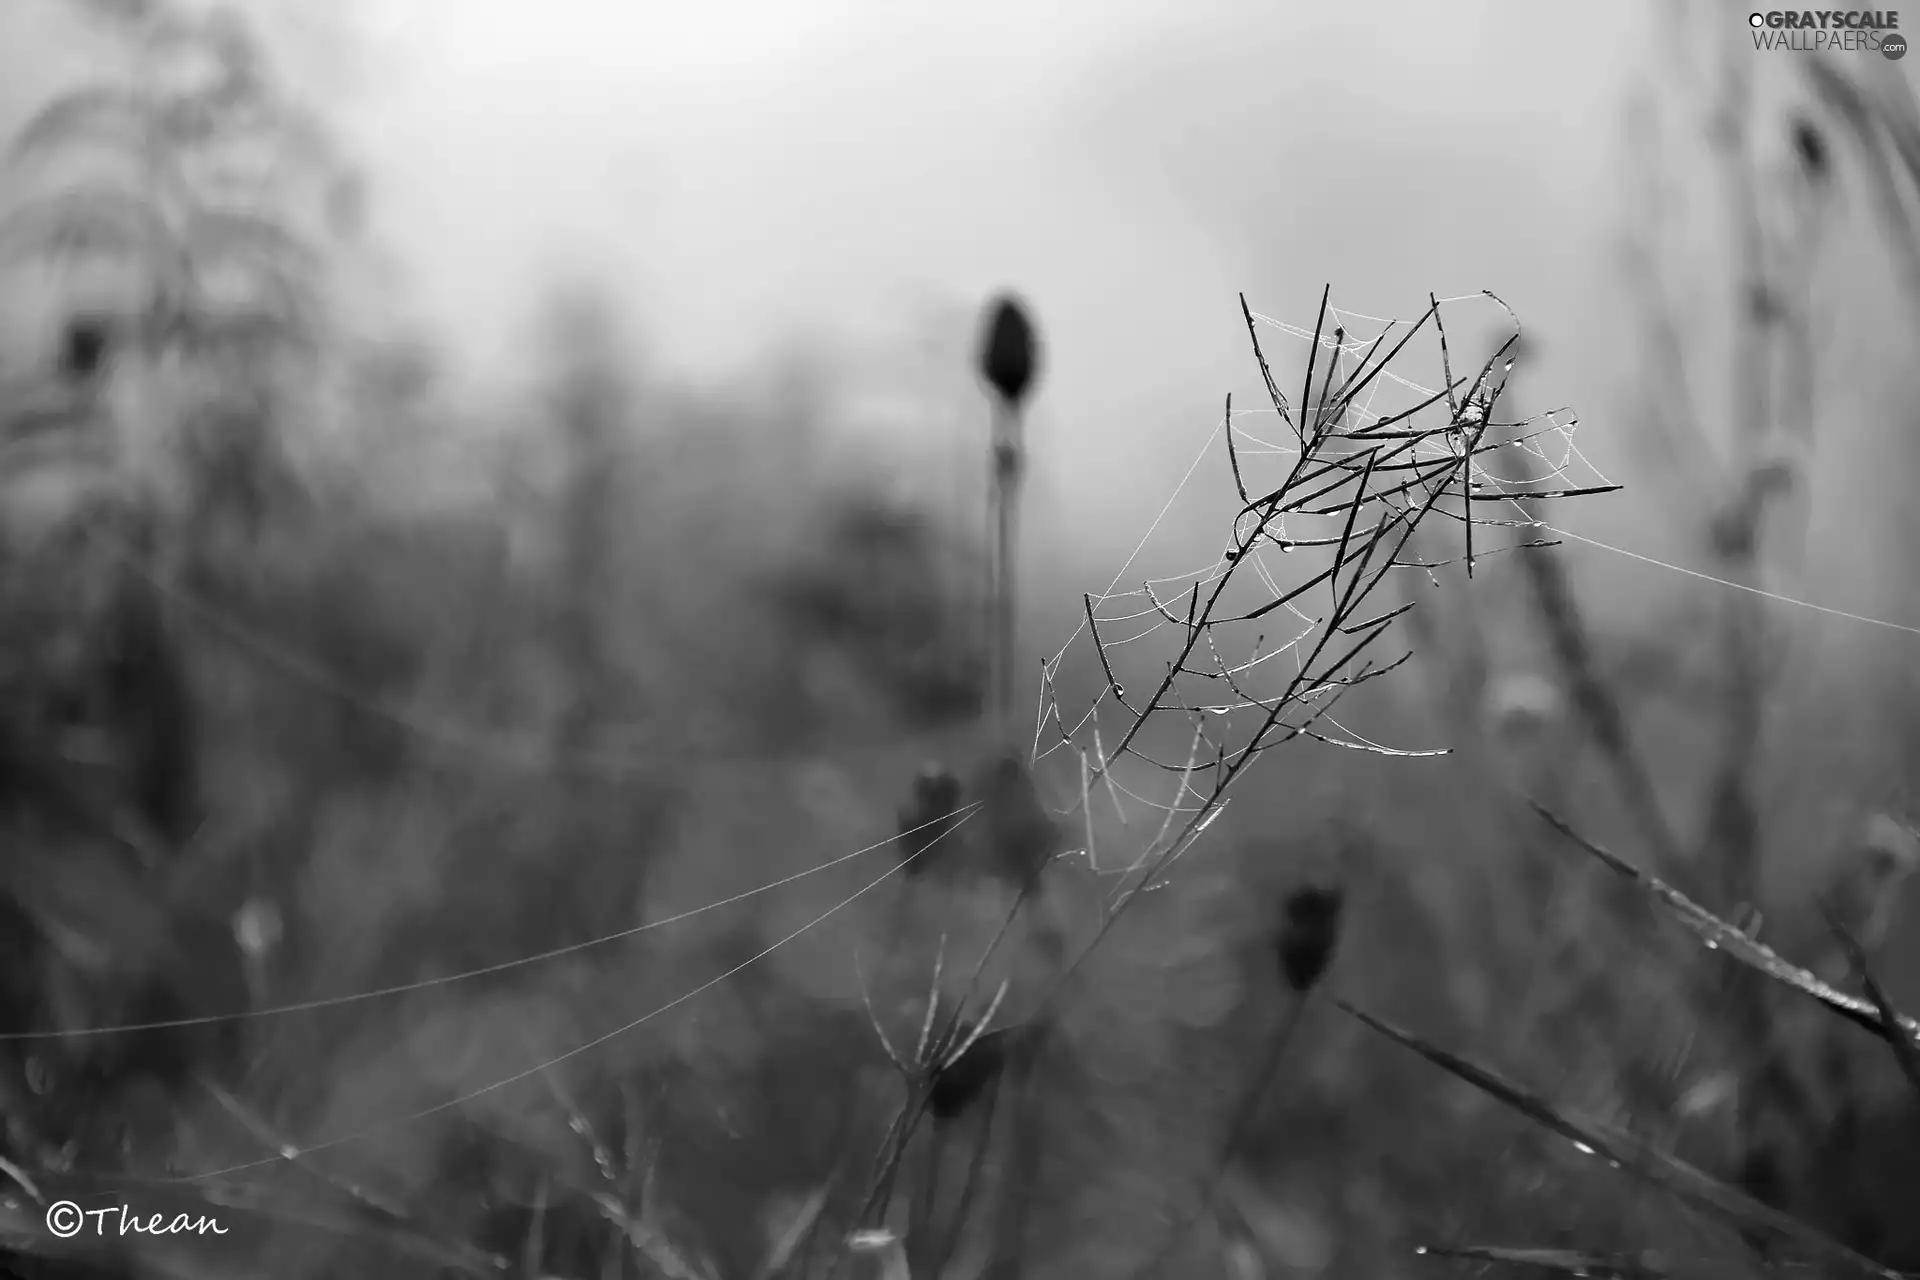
pixel 1352 494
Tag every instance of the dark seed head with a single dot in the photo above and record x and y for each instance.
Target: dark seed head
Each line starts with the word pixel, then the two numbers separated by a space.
pixel 1009 356
pixel 1024 837
pixel 1810 145
pixel 928 816
pixel 1309 931
pixel 83 347
pixel 956 1088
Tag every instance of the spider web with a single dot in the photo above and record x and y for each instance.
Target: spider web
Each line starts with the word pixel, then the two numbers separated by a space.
pixel 1250 650
pixel 1385 436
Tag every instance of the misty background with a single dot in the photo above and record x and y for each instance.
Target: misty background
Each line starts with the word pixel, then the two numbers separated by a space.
pixel 593 550
pixel 747 176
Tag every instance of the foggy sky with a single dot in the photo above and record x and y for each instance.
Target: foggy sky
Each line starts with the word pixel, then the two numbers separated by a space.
pixel 748 169
pixel 739 172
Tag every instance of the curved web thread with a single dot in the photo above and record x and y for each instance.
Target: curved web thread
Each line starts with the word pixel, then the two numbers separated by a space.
pixel 503 966
pixel 292 1152
pixel 1554 448
pixel 1203 672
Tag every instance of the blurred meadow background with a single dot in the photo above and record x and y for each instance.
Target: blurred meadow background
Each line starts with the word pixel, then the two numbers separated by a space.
pixel 501 767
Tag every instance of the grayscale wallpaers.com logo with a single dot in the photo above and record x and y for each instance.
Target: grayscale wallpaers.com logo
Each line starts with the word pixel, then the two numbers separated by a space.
pixel 1821 30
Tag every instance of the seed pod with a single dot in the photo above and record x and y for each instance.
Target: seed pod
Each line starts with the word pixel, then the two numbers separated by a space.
pixel 1810 145
pixel 928 816
pixel 1309 931
pixel 1009 356
pixel 1023 837
pixel 959 1085
pixel 83 347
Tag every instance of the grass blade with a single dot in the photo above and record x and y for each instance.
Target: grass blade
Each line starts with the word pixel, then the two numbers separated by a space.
pixel 1717 935
pixel 1566 1262
pixel 1630 1155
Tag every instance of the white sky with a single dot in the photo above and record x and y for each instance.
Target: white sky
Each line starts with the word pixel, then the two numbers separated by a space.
pixel 747 168
pixel 749 162
pixel 736 170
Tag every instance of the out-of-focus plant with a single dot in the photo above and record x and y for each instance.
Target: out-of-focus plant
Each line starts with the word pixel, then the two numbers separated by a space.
pixel 190 173
pixel 194 169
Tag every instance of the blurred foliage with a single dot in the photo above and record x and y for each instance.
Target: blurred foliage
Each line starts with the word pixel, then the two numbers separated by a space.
pixel 190 168
pixel 276 730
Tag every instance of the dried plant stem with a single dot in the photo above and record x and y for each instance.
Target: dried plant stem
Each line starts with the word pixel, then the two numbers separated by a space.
pixel 976 1164
pixel 1598 706
pixel 1566 1262
pixel 1021 1178
pixel 1719 936
pixel 1002 595
pixel 1762 308
pixel 1732 835
pixel 1906 1052
pixel 920 1217
pixel 1246 1119
pixel 1757 1222
pixel 892 1153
